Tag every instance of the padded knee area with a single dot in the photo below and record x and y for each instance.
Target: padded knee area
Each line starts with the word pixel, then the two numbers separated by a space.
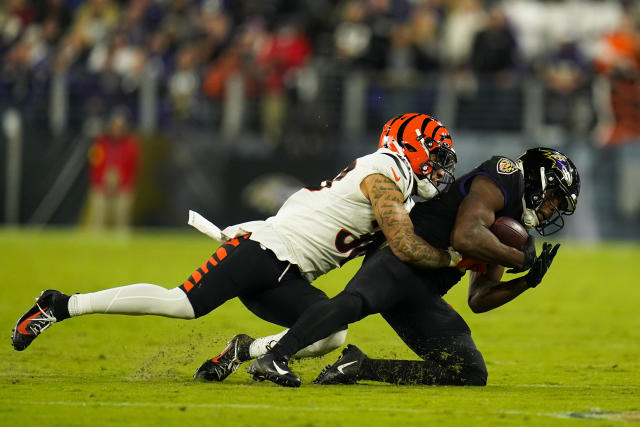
pixel 323 346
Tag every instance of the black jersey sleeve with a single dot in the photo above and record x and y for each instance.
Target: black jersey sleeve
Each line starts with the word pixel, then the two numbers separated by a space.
pixel 507 176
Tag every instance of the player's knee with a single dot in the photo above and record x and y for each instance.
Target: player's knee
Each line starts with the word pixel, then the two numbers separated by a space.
pixel 324 346
pixel 475 373
pixel 477 376
pixel 351 304
pixel 178 305
pixel 335 340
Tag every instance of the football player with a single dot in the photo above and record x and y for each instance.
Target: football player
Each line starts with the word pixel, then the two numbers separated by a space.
pixel 538 189
pixel 270 264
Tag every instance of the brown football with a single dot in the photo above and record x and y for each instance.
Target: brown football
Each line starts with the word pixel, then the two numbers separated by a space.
pixel 510 232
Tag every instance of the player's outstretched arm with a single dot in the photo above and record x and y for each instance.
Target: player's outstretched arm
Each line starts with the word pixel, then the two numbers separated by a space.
pixel 387 202
pixel 471 235
pixel 487 292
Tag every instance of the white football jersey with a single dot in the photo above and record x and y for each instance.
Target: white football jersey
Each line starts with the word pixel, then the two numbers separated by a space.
pixel 320 229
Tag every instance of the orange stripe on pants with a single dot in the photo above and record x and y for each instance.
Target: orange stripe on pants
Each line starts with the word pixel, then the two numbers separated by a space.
pixel 196 276
pixel 221 253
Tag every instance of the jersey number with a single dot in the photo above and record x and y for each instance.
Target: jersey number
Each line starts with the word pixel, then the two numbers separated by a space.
pixel 346 241
pixel 329 183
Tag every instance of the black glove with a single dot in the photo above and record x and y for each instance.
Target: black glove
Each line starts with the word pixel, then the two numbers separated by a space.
pixel 541 264
pixel 529 256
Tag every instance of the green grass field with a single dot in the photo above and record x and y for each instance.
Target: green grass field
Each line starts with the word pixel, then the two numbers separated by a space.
pixel 565 353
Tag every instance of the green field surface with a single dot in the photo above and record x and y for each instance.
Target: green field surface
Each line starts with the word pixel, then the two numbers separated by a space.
pixel 565 353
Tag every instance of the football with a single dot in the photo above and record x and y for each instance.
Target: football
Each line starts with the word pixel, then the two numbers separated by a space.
pixel 510 232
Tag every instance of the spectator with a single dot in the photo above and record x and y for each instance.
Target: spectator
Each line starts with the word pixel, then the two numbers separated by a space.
pixel 113 170
pixel 565 73
pixel 494 48
pixel 280 58
pixel 618 60
pixel 56 12
pixel 184 83
pixel 236 60
pixel 94 20
pixel 352 35
pixel 464 20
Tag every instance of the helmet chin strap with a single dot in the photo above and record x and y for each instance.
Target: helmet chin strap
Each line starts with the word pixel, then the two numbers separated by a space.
pixel 529 217
pixel 426 189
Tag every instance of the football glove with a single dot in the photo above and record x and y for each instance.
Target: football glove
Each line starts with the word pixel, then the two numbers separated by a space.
pixel 529 256
pixel 471 264
pixel 541 264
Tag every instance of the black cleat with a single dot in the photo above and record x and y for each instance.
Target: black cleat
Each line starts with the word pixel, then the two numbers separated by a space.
pixel 268 367
pixel 227 362
pixel 346 369
pixel 35 321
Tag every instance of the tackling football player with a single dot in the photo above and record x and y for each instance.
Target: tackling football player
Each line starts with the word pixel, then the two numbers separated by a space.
pixel 270 264
pixel 538 189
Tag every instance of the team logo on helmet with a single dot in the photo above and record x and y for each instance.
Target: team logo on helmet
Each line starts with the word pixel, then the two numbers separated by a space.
pixel 506 166
pixel 560 162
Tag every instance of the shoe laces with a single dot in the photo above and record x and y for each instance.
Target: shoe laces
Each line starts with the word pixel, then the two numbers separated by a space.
pixel 324 371
pixel 41 323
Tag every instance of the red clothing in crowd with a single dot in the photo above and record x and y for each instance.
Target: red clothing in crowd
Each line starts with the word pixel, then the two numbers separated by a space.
pixel 121 155
pixel 280 54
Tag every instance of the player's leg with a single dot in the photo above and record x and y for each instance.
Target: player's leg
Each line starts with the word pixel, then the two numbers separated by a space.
pixel 281 305
pixel 377 286
pixel 138 299
pixel 436 333
pixel 442 339
pixel 221 277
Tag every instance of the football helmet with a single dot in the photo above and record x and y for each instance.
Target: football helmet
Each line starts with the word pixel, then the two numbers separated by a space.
pixel 548 174
pixel 428 147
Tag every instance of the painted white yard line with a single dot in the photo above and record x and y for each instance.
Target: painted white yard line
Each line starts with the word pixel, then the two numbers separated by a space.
pixel 115 404
pixel 523 385
pixel 251 406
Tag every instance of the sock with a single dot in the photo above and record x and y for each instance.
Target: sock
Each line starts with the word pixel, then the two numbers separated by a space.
pixel 287 346
pixel 137 299
pixel 60 307
pixel 261 346
pixel 323 346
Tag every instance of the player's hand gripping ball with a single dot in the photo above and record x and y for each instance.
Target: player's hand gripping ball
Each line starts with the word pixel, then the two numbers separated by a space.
pixel 511 233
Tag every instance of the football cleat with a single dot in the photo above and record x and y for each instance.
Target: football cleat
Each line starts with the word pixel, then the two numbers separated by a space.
pixel 268 367
pixel 35 321
pixel 227 362
pixel 346 369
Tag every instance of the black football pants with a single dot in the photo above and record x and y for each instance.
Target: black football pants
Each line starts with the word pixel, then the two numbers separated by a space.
pixel 272 289
pixel 415 310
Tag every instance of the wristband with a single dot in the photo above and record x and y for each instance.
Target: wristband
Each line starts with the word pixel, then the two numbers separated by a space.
pixel 455 257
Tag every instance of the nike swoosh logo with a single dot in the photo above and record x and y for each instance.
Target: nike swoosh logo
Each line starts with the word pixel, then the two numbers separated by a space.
pixel 22 327
pixel 344 365
pixel 279 369
pixel 395 176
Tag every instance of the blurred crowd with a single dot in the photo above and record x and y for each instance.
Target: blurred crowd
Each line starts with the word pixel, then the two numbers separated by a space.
pixel 196 47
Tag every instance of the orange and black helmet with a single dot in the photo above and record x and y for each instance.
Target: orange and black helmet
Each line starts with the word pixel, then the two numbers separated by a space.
pixel 424 141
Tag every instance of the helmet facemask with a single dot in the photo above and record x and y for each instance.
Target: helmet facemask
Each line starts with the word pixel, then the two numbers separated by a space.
pixel 556 194
pixel 441 160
